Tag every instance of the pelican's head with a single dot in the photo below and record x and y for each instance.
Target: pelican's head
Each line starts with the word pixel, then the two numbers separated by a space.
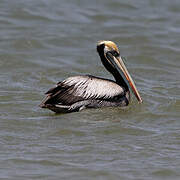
pixel 110 53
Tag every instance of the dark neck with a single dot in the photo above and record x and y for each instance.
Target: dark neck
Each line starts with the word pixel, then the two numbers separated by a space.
pixel 119 80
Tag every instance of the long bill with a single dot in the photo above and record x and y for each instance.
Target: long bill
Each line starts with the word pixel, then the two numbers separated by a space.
pixel 119 64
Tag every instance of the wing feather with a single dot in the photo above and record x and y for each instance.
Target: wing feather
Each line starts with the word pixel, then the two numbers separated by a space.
pixel 78 88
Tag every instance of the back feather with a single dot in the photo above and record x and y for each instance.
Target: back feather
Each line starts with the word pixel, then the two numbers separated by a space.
pixel 79 88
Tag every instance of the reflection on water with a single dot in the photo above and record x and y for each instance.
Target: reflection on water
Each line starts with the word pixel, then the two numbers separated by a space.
pixel 43 42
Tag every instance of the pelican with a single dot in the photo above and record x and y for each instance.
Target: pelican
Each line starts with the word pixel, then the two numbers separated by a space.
pixel 87 91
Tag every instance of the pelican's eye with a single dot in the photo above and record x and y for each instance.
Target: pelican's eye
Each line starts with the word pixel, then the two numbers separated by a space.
pixel 115 53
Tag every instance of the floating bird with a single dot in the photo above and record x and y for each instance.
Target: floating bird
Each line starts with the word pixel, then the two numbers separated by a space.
pixel 80 92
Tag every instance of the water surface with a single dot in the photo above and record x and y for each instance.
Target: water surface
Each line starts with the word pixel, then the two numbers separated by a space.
pixel 43 42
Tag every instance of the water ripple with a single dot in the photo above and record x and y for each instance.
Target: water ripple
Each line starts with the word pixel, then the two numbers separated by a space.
pixel 43 42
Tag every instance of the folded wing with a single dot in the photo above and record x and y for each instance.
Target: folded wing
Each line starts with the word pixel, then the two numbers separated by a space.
pixel 80 88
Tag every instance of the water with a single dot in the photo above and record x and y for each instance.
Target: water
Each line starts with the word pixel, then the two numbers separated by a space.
pixel 43 42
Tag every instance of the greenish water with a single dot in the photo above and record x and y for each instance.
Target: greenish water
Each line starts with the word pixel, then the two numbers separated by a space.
pixel 43 42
